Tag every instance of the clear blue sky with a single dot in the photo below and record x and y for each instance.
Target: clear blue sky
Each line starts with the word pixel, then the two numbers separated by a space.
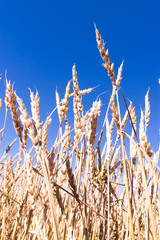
pixel 41 40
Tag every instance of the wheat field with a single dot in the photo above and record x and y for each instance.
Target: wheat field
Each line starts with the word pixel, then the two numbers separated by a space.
pixel 89 185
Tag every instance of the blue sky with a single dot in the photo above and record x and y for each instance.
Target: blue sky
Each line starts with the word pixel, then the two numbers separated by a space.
pixel 41 40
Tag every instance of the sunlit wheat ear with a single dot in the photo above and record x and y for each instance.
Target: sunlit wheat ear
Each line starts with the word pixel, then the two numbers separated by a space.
pixel 93 115
pixel 142 131
pixel 82 92
pixel 119 76
pixel 8 177
pixel 147 110
pixel 62 106
pixel 114 111
pixel 77 108
pixel 67 95
pixel 10 100
pixel 36 114
pixel 25 135
pixel 77 95
pixel 105 56
pixel 45 132
pixel 65 101
pixel 91 134
pixel 27 123
pixel 133 116
pixel 58 106
pixel 67 135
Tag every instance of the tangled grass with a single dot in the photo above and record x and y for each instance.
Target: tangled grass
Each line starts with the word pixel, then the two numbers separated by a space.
pixel 110 193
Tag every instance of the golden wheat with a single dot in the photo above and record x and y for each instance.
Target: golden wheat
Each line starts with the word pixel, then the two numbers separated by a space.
pixel 89 185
